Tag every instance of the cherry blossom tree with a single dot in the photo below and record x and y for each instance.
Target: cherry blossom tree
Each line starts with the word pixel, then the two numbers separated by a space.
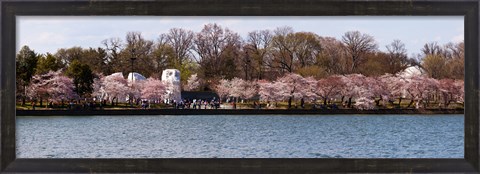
pixel 364 103
pixel 460 85
pixel 294 86
pixel 61 88
pixel 395 85
pixel 242 88
pixel 52 85
pixel 311 87
pixel 153 90
pixel 363 89
pixel 353 87
pixel 193 83
pixel 346 91
pixel 38 88
pixel 237 87
pixel 266 91
pixel 135 91
pixel 115 86
pixel 223 88
pixel 270 91
pixel 379 89
pixel 328 87
pixel 250 89
pixel 420 89
pixel 451 91
pixel 98 88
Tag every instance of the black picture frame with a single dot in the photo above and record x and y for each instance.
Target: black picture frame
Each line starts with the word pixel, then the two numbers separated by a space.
pixel 12 8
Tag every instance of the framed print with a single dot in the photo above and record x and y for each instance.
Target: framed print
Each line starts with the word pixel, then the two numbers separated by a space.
pixel 216 86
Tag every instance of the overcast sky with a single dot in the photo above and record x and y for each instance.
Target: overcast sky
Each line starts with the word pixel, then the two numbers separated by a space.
pixel 48 34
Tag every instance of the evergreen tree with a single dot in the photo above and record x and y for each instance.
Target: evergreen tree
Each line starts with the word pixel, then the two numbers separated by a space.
pixel 26 63
pixel 48 63
pixel 82 77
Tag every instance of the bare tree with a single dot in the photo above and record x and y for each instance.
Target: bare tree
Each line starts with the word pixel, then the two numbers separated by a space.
pixel 181 41
pixel 456 59
pixel 113 47
pixel 211 45
pixel 357 45
pixel 454 51
pixel 163 55
pixel 283 47
pixel 138 47
pixel 332 56
pixel 256 50
pixel 397 59
pixel 308 48
pixel 431 48
pixel 436 66
pixel 445 61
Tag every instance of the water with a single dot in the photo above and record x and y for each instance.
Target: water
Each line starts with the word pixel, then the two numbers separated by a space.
pixel 294 136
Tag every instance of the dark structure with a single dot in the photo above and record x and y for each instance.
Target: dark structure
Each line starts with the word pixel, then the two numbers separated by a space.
pixel 202 95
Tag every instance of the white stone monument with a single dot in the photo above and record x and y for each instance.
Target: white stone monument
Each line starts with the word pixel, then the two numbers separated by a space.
pixel 135 77
pixel 171 77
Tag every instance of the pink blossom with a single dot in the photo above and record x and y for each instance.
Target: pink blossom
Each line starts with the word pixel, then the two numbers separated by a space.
pixel 421 88
pixel 329 87
pixel 193 83
pixel 364 103
pixel 451 90
pixel 153 89
pixel 53 86
pixel 292 86
pixel 270 91
pixel 135 91
pixel 223 88
pixel 460 85
pixel 115 86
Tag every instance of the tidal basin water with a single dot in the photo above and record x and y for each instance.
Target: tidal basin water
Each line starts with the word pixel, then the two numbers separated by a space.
pixel 223 136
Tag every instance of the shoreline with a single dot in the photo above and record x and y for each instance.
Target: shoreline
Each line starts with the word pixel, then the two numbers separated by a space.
pixel 134 112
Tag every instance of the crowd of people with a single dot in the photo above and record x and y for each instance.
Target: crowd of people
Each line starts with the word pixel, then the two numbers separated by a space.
pixel 214 103
pixel 196 104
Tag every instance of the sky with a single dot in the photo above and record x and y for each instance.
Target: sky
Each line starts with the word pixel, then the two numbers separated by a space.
pixel 48 34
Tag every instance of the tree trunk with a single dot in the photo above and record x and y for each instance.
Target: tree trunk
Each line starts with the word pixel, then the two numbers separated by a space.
pixel 325 101
pixel 448 103
pixel 410 104
pixel 350 102
pixel 24 94
pixel 289 102
pixel 399 102
pixel 41 102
